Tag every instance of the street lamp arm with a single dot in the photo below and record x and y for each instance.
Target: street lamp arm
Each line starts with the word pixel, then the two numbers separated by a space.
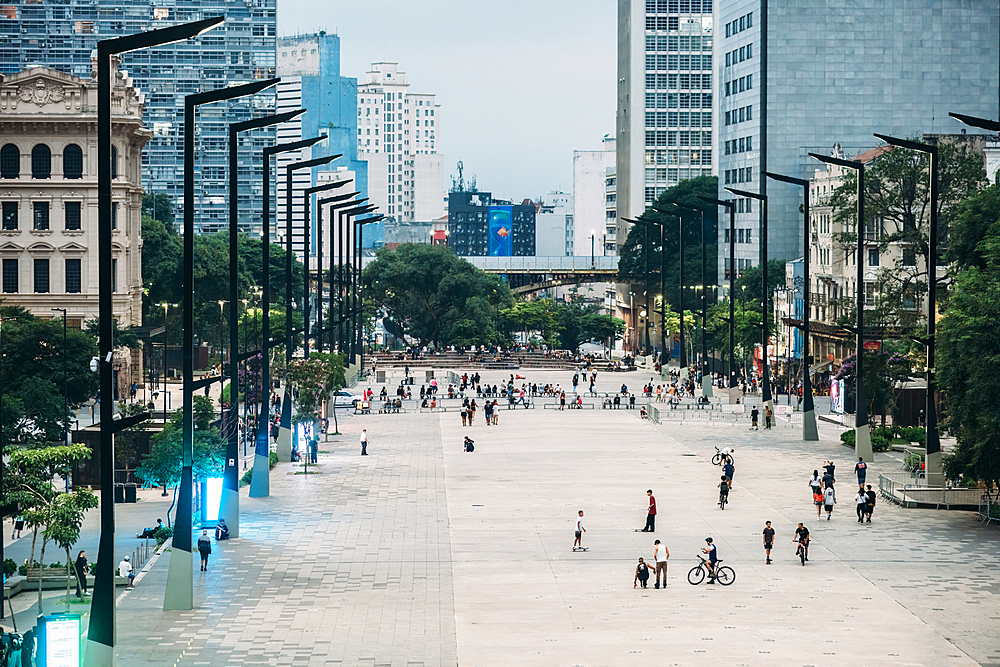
pixel 849 164
pixel 145 40
pixel 788 179
pixel 291 146
pixel 910 145
pixel 265 121
pixel 230 92
pixel 981 123
pixel 745 193
pixel 337 198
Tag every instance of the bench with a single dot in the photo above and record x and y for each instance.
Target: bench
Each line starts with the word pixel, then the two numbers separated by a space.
pixel 569 406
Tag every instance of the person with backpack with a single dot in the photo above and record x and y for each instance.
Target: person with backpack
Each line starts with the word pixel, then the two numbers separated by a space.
pixel 204 548
pixel 641 574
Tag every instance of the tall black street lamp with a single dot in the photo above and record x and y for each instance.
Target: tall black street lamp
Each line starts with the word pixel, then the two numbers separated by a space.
pixel 679 214
pixel 932 441
pixel 307 224
pixel 180 592
pixel 285 430
pixel 862 432
pixel 359 324
pixel 765 384
pixel 334 203
pixel 646 224
pixel 260 483
pixel 343 274
pixel 230 504
pixel 65 437
pixel 731 207
pixel 706 388
pixel 809 431
pixel 102 634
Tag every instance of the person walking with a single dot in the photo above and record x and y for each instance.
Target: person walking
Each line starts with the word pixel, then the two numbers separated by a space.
pixel 861 470
pixel 660 556
pixel 562 400
pixel 815 482
pixel 18 522
pixel 862 500
pixel 829 500
pixel 204 548
pixel 650 513
pixel 768 541
pixel 768 415
pixel 364 442
pixel 580 530
pixel 641 574
pixel 729 469
pixel 818 500
pixel 125 570
pixel 464 412
pixel 82 567
pixel 472 411
pixel 754 415
pixel 869 503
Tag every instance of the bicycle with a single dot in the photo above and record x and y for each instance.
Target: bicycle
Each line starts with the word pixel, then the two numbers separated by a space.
pixel 723 574
pixel 720 458
pixel 801 552
pixel 723 499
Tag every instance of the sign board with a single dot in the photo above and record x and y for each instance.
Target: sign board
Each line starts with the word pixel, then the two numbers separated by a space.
pixel 501 231
pixel 61 644
pixel 873 345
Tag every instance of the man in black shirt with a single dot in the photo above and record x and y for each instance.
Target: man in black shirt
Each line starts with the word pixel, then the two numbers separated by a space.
pixel 802 537
pixel 768 541
pixel 870 505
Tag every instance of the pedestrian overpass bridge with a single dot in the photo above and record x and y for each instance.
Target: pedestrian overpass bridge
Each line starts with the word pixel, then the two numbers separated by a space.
pixel 531 274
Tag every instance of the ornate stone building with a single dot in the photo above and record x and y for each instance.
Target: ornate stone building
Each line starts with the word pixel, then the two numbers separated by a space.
pixel 48 195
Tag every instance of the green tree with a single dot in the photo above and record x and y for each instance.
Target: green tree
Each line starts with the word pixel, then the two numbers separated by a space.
pixel 430 291
pixel 30 486
pixel 897 214
pixel 885 370
pixel 632 261
pixel 968 339
pixel 538 315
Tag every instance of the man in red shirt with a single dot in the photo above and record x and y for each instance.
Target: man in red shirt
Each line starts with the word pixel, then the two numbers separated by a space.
pixel 651 514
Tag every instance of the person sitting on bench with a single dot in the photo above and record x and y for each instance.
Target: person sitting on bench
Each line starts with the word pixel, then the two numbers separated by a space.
pixel 149 531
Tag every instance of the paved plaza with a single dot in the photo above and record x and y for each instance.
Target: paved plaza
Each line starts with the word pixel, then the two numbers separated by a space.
pixel 423 554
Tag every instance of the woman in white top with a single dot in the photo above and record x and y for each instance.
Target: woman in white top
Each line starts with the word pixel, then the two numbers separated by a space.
pixel 814 483
pixel 862 500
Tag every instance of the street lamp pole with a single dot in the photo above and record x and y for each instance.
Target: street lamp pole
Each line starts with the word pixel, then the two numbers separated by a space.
pixel 284 446
pixel 359 324
pixel 306 251
pixel 706 388
pixel 260 483
pixel 932 441
pixel 101 634
pixel 679 214
pixel 65 437
pixel 731 207
pixel 809 431
pixel 334 203
pixel 230 504
pixel 343 276
pixel 862 432
pixel 765 385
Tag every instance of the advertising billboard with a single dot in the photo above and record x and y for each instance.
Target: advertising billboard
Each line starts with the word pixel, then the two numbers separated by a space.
pixel 501 226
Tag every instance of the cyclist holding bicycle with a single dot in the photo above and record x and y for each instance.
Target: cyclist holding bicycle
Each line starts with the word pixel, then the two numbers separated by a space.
pixel 723 491
pixel 802 537
pixel 713 558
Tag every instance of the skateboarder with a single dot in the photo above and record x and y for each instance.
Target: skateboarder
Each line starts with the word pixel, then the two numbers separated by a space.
pixel 580 530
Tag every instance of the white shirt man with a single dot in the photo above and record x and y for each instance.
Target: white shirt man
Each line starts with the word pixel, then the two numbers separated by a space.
pixel 660 555
pixel 364 442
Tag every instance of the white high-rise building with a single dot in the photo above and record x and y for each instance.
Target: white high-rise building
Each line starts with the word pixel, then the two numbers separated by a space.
pixel 593 204
pixel 398 135
pixel 554 236
pixel 665 118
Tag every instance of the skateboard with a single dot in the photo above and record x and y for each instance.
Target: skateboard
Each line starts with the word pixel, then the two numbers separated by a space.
pixel 580 548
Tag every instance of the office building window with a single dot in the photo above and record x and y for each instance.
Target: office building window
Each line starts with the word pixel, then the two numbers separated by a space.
pixel 10 215
pixel 10 276
pixel 10 161
pixel 41 162
pixel 74 276
pixel 114 162
pixel 114 275
pixel 873 257
pixel 114 215
pixel 41 276
pixel 41 215
pixel 73 161
pixel 74 217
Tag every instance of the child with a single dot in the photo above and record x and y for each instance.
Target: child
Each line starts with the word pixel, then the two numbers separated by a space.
pixel 580 530
pixel 818 500
pixel 641 574
pixel 723 489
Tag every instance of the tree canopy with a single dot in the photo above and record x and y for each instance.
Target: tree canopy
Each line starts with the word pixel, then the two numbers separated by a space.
pixel 435 295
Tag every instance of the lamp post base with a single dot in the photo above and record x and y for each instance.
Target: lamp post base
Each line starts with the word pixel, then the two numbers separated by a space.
pixel 284 444
pixel 863 443
pixel 179 595
pixel 229 509
pixel 809 430
pixel 260 481
pixel 97 654
pixel 933 469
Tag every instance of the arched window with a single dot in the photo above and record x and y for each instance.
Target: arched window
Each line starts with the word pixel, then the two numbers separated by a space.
pixel 10 161
pixel 114 162
pixel 73 161
pixel 41 162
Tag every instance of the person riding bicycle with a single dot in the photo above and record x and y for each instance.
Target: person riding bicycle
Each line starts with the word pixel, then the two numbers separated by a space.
pixel 802 537
pixel 713 558
pixel 723 490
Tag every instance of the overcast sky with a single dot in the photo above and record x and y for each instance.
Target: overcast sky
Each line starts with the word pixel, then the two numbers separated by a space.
pixel 521 83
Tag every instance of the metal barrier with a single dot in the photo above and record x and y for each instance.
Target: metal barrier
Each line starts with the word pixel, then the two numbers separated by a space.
pixel 989 508
pixel 908 491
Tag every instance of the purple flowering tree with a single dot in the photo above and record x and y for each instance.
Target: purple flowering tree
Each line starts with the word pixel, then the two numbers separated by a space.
pixel 884 372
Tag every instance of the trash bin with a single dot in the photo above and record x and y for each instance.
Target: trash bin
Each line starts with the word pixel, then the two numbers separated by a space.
pixel 429 375
pixel 119 493
pixel 130 490
pixel 380 377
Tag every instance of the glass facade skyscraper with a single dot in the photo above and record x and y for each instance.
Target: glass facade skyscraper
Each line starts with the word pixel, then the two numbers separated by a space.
pixel 62 35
